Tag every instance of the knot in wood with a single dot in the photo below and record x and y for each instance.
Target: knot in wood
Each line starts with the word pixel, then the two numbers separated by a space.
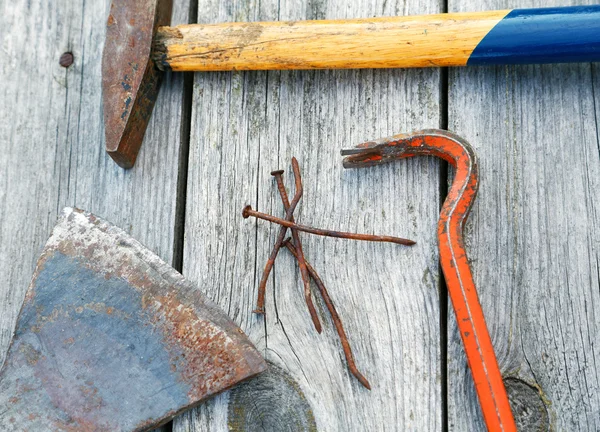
pixel 256 404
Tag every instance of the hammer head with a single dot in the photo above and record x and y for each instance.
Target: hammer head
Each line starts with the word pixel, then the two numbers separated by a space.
pixel 130 81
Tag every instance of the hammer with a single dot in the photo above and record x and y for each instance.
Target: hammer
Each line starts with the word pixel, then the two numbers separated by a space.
pixel 140 46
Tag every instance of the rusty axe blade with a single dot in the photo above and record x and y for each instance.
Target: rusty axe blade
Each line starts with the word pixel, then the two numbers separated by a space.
pixel 110 337
pixel 130 81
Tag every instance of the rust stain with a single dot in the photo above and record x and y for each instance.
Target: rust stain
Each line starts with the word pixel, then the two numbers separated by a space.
pixel 198 344
pixel 131 28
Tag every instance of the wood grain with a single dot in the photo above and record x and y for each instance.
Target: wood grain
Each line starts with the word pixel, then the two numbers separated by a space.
pixel 246 124
pixel 533 237
pixel 382 42
pixel 52 142
pixel 251 404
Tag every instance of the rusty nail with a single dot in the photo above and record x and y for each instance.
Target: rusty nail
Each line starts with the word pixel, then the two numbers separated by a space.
pixel 66 59
pixel 301 261
pixel 248 211
pixel 262 287
pixel 334 316
pixel 281 187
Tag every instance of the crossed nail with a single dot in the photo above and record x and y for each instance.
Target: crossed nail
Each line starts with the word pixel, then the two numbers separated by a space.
pixel 294 245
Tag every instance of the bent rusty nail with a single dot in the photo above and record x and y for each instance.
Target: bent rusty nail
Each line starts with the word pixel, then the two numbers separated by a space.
pixel 334 317
pixel 262 287
pixel 301 261
pixel 248 211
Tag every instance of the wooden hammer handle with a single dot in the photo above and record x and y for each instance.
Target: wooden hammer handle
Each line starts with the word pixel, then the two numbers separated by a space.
pixel 547 35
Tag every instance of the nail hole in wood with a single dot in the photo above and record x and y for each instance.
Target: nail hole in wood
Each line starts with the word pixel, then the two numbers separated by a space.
pixel 66 59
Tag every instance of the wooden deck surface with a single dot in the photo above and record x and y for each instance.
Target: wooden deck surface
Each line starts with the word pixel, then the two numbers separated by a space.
pixel 533 235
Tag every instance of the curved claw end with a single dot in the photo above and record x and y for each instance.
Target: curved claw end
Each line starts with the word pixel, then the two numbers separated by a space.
pixel 362 158
pixel 376 152
pixel 400 146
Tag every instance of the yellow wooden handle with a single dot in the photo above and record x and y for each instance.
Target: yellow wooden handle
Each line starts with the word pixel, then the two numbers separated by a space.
pixel 417 41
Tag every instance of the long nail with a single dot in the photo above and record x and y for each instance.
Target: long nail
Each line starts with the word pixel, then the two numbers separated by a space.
pixel 262 287
pixel 334 316
pixel 248 211
pixel 301 261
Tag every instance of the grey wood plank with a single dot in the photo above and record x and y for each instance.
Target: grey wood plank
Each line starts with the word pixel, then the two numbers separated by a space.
pixel 52 142
pixel 245 125
pixel 533 236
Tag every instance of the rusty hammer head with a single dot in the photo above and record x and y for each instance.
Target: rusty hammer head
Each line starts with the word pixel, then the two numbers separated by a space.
pixel 130 80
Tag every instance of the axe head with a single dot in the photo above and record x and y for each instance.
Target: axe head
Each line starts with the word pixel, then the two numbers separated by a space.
pixel 130 81
pixel 110 337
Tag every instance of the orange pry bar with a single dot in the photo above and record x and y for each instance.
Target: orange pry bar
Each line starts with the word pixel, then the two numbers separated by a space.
pixel 455 265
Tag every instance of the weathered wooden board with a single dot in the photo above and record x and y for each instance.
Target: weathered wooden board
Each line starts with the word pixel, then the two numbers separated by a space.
pixel 52 142
pixel 246 124
pixel 533 236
